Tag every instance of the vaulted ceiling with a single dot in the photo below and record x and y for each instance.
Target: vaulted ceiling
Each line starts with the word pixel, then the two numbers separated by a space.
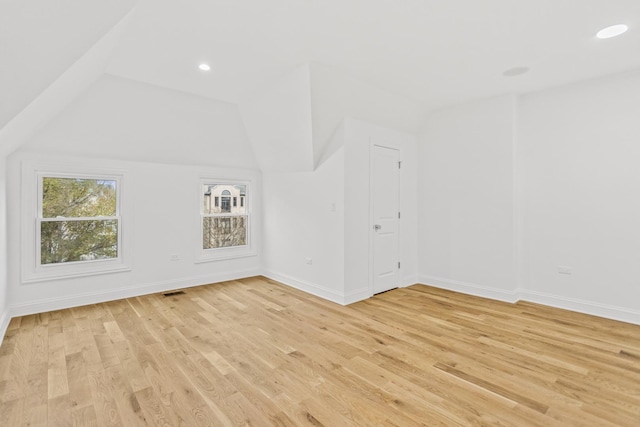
pixel 414 55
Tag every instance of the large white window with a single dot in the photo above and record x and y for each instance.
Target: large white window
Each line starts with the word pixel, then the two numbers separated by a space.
pixel 79 219
pixel 224 222
pixel 78 224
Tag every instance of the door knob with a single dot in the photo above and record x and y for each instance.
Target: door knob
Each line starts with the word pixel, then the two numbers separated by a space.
pixel 377 227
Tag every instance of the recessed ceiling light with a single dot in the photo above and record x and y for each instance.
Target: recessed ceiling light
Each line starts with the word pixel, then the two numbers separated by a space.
pixel 612 31
pixel 204 67
pixel 516 71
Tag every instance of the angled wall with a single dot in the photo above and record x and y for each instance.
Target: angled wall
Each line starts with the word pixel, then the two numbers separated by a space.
pixel 46 39
pixel 304 228
pixel 336 96
pixel 316 224
pixel 123 119
pixel 278 123
pixel 41 95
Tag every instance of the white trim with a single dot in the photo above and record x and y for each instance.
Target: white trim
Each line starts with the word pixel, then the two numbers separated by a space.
pixel 31 189
pixel 357 295
pixel 247 250
pixel 518 196
pixel 4 324
pixel 471 288
pixel 310 288
pixel 581 306
pixel 573 304
pixel 92 272
pixel 410 281
pixel 49 304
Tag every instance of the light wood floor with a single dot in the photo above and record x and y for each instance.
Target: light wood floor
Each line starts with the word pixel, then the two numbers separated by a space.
pixel 254 352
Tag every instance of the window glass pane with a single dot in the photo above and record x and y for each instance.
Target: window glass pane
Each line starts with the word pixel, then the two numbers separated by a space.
pixel 223 198
pixel 72 198
pixel 84 240
pixel 224 231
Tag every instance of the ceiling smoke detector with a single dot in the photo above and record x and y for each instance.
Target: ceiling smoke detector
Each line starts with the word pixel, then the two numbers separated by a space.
pixel 516 71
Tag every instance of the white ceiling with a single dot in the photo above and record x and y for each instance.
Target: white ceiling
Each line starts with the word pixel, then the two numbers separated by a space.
pixel 41 39
pixel 437 52
pixel 430 52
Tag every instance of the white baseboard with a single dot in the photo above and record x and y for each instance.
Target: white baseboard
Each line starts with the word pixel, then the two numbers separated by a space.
pixel 410 280
pixel 310 288
pixel 586 307
pixel 580 306
pixel 357 295
pixel 471 289
pixel 49 304
pixel 4 323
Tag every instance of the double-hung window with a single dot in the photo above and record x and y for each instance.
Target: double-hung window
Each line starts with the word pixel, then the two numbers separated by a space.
pixel 225 226
pixel 79 219
pixel 78 227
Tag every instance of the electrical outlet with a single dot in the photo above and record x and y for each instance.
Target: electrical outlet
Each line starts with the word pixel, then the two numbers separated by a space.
pixel 564 270
pixel 308 260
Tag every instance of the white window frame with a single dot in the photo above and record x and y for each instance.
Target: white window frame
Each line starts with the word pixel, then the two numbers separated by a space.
pixel 215 254
pixel 32 269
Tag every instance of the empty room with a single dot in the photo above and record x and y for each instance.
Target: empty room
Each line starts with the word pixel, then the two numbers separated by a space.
pixel 320 213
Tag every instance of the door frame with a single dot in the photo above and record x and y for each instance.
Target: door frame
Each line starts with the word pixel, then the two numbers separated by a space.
pixel 391 145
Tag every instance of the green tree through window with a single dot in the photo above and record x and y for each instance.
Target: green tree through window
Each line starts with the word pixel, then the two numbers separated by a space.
pixel 79 220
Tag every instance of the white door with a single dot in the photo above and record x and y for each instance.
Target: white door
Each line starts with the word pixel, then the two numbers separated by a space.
pixel 385 206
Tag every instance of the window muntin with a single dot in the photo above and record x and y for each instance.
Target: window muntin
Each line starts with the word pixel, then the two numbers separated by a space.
pixel 227 225
pixel 78 219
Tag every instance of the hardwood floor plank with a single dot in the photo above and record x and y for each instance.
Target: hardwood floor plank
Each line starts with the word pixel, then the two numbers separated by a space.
pixel 78 380
pixel 106 410
pixel 84 417
pixel 255 352
pixel 59 411
pixel 12 412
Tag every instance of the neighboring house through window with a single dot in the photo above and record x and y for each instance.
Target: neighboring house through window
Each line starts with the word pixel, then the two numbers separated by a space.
pixel 225 228
pixel 226 201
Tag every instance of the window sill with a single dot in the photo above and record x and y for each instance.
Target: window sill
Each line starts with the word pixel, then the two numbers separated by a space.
pixel 46 277
pixel 224 254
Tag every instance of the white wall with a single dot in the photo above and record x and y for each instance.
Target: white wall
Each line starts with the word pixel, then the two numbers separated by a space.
pixel 512 189
pixel 118 118
pixel 580 156
pixel 336 95
pixel 359 137
pixel 466 199
pixel 278 122
pixel 164 200
pixel 304 218
pixel 299 222
pixel 4 309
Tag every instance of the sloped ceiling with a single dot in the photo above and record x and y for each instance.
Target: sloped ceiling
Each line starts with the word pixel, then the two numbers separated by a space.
pixel 278 120
pixel 380 60
pixel 40 40
pixel 61 92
